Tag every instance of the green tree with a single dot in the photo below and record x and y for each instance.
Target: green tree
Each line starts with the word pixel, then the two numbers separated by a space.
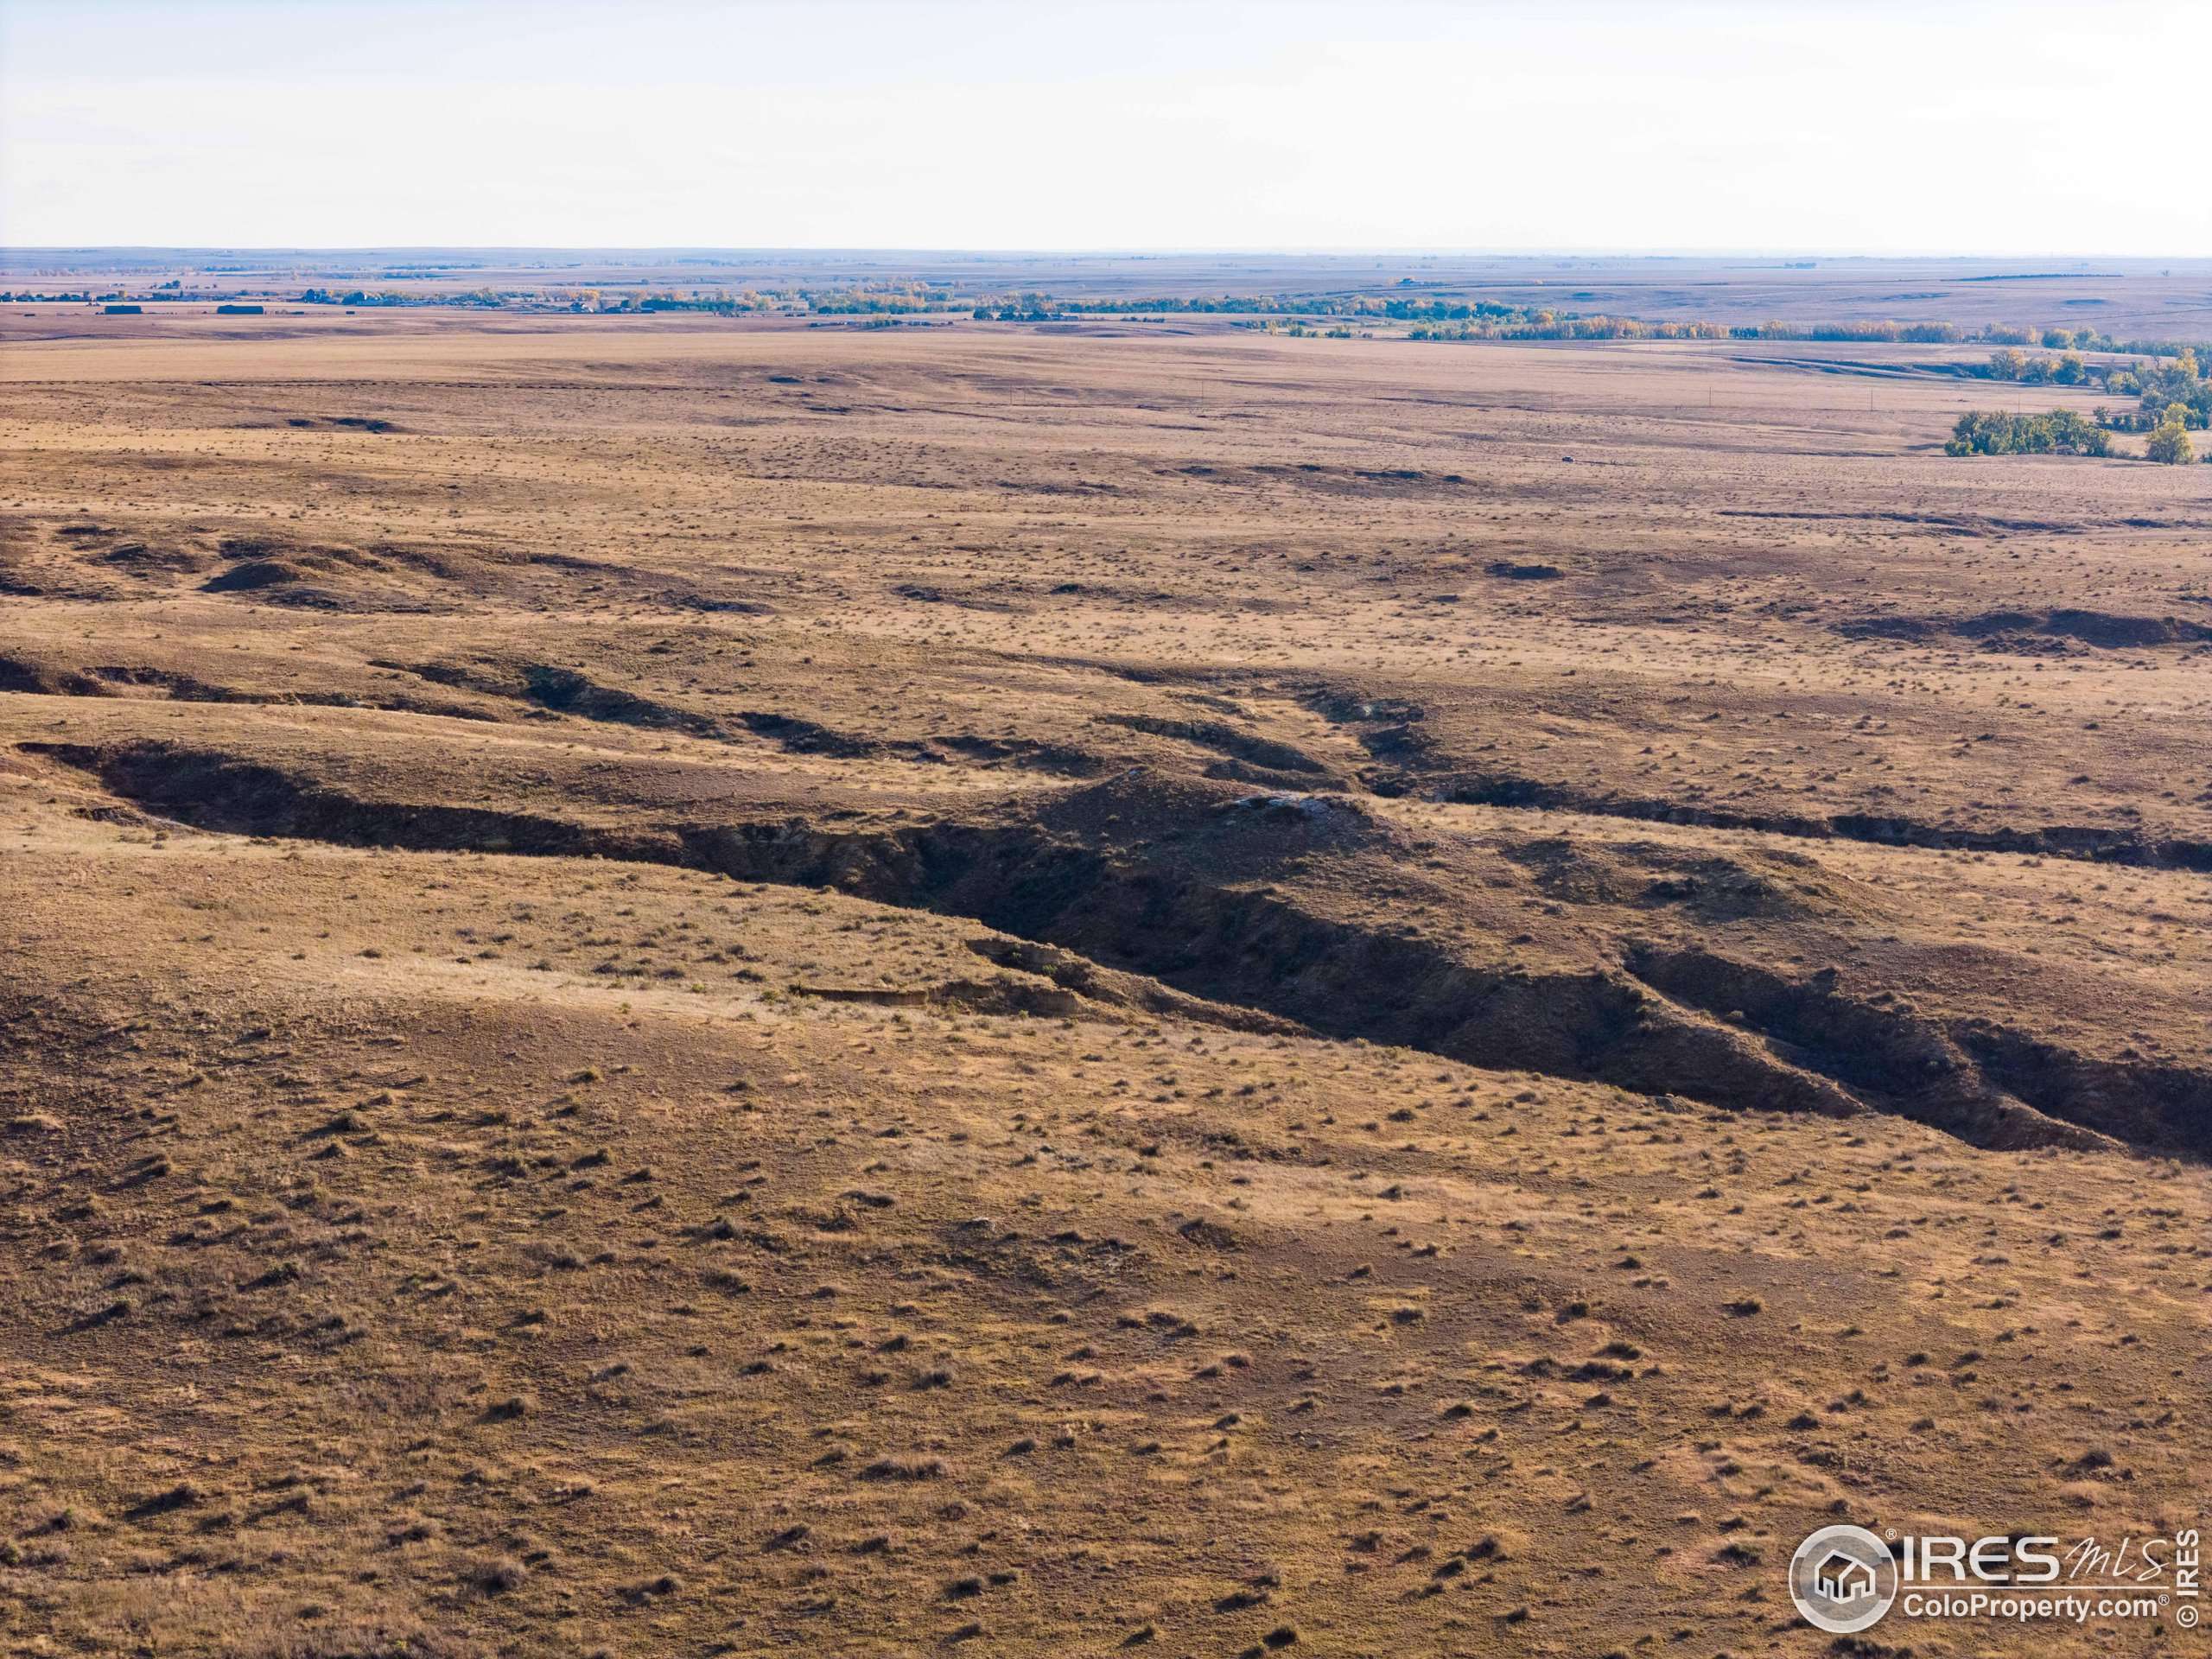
pixel 2169 444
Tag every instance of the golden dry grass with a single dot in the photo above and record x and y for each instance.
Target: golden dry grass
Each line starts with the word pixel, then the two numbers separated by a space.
pixel 742 991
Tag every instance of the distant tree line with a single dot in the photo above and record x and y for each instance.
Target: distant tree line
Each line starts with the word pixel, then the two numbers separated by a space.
pixel 1446 316
pixel 361 298
pixel 2167 425
pixel 2069 369
pixel 2063 432
pixel 2173 397
pixel 1995 432
pixel 1551 325
pixel 1033 307
pixel 2087 340
pixel 2167 394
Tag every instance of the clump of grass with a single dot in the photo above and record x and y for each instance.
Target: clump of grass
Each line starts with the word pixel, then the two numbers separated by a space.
pixel 905 1469
pixel 496 1575
pixel 182 1496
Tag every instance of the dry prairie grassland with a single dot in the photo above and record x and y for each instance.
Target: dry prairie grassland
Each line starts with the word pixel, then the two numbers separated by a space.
pixel 674 988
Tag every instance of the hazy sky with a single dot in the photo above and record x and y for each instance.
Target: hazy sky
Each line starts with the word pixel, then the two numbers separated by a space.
pixel 1877 126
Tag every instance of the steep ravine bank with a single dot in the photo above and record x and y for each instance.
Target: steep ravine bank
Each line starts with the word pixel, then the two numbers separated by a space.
pixel 1209 903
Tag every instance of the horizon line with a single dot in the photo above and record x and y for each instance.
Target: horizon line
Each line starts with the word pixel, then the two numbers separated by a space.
pixel 1105 252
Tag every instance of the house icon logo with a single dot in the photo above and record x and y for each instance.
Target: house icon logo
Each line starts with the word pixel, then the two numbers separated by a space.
pixel 1843 1579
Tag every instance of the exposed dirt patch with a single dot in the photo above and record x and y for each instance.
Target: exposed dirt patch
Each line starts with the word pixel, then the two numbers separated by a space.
pixel 2004 630
pixel 252 576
